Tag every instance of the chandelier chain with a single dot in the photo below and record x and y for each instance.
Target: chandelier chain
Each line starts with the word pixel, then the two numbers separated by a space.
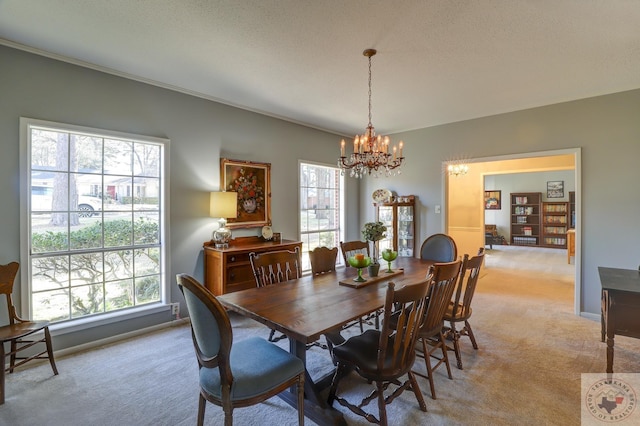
pixel 370 92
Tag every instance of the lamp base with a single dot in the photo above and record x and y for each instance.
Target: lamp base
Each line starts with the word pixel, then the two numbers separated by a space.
pixel 222 235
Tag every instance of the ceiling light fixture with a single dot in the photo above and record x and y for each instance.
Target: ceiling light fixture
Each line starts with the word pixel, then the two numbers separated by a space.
pixel 457 168
pixel 371 155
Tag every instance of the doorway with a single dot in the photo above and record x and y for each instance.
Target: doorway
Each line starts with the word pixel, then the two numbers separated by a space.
pixel 464 198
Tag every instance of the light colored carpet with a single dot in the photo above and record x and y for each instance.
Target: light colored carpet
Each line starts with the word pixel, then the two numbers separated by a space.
pixel 526 372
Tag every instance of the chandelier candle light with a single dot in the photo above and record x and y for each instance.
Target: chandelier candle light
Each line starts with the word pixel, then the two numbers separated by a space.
pixel 371 153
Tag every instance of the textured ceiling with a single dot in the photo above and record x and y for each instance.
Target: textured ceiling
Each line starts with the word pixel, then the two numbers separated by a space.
pixel 438 61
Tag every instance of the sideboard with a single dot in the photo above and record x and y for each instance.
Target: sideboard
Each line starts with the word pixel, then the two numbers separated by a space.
pixel 228 269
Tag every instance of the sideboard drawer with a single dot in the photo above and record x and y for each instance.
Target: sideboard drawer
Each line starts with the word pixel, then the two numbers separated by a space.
pixel 239 273
pixel 232 258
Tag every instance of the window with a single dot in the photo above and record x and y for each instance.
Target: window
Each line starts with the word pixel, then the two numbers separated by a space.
pixel 321 208
pixel 92 248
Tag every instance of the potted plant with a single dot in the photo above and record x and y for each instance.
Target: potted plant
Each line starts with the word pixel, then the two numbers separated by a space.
pixel 374 232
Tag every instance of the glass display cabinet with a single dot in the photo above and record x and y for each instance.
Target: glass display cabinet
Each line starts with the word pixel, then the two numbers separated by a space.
pixel 398 216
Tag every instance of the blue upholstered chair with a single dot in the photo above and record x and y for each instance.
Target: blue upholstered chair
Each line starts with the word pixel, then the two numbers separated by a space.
pixel 235 374
pixel 439 248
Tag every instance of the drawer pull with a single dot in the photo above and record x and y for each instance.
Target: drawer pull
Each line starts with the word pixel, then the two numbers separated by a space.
pixel 232 276
pixel 232 259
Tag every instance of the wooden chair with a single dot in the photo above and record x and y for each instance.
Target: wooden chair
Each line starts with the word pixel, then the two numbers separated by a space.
pixel 20 332
pixel 443 278
pixel 323 260
pixel 235 374
pixel 275 267
pixel 384 356
pixel 351 248
pixel 439 248
pixel 459 309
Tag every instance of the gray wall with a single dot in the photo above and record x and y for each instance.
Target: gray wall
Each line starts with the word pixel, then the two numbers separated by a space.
pixel 201 132
pixel 606 128
pixel 522 182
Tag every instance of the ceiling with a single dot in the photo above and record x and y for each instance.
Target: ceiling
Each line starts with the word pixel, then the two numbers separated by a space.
pixel 438 61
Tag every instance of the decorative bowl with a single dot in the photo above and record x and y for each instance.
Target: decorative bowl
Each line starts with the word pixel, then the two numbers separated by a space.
pixel 361 262
pixel 389 255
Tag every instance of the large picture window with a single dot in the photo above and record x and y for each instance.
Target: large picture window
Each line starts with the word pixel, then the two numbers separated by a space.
pixel 94 203
pixel 321 208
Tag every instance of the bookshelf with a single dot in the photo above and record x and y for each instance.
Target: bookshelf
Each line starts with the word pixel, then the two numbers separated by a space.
pixel 555 224
pixel 572 209
pixel 525 218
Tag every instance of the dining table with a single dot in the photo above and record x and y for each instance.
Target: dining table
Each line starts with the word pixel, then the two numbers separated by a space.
pixel 309 307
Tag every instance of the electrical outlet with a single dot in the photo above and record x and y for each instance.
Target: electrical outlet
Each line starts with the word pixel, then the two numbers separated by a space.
pixel 438 209
pixel 175 310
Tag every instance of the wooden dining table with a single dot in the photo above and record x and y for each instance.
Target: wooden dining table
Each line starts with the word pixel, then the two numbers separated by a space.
pixel 311 306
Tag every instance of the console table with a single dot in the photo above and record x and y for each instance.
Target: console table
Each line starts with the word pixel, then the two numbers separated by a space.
pixel 620 309
pixel 229 269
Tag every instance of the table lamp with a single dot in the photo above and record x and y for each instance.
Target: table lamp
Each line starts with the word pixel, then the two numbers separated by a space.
pixel 223 205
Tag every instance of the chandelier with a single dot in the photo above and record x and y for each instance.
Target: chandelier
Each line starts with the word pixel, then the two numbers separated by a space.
pixel 371 154
pixel 458 168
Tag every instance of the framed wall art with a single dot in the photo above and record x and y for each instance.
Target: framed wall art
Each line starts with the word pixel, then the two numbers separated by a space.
pixel 555 189
pixel 492 200
pixel 252 182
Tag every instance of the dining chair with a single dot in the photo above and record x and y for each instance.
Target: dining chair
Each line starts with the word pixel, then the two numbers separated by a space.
pixel 323 259
pixel 275 267
pixel 439 248
pixel 384 356
pixel 443 278
pixel 459 309
pixel 20 333
pixel 349 249
pixel 235 373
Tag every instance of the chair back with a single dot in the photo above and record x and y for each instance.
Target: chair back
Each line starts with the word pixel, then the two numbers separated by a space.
pixel 467 282
pixel 443 278
pixel 323 259
pixel 8 274
pixel 275 266
pixel 403 312
pixel 351 248
pixel 439 248
pixel 210 326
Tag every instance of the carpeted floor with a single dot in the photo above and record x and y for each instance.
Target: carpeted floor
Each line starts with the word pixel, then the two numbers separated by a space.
pixel 526 372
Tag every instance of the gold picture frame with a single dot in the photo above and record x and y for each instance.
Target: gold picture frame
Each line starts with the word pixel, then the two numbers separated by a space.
pixel 493 200
pixel 252 182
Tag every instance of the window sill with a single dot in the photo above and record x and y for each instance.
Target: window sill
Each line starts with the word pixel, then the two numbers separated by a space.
pixel 100 320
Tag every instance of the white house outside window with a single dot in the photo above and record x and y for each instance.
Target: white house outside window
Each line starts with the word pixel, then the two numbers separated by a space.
pixel 92 247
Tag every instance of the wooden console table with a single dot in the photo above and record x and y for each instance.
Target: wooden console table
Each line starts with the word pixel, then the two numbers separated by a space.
pixel 229 269
pixel 620 309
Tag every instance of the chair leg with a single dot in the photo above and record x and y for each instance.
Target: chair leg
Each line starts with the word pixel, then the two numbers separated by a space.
pixel 382 406
pixel 337 376
pixel 427 363
pixel 445 357
pixel 12 357
pixel 2 373
pixel 201 407
pixel 301 400
pixel 467 326
pixel 52 361
pixel 416 391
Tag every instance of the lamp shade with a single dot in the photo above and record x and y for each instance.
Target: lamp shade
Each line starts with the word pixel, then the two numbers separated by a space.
pixel 224 205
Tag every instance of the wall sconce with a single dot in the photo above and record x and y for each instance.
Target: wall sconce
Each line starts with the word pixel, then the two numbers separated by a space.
pixel 223 205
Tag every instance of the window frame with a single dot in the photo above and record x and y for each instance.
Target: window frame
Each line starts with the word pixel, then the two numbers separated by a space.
pixel 341 208
pixel 102 318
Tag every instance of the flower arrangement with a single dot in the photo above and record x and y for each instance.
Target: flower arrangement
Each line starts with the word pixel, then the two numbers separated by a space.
pixel 246 185
pixel 374 231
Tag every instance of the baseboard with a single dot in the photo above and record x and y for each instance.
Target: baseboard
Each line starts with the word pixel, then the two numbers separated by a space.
pixel 591 316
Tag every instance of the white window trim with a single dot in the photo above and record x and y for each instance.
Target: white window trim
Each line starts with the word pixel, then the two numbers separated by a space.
pixel 25 279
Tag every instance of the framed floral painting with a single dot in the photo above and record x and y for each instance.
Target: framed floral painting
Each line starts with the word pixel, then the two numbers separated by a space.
pixel 252 182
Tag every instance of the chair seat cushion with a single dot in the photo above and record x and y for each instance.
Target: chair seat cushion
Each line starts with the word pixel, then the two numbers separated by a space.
pixel 257 367
pixel 362 352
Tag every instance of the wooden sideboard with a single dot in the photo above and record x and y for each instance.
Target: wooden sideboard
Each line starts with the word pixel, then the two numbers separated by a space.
pixel 228 269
